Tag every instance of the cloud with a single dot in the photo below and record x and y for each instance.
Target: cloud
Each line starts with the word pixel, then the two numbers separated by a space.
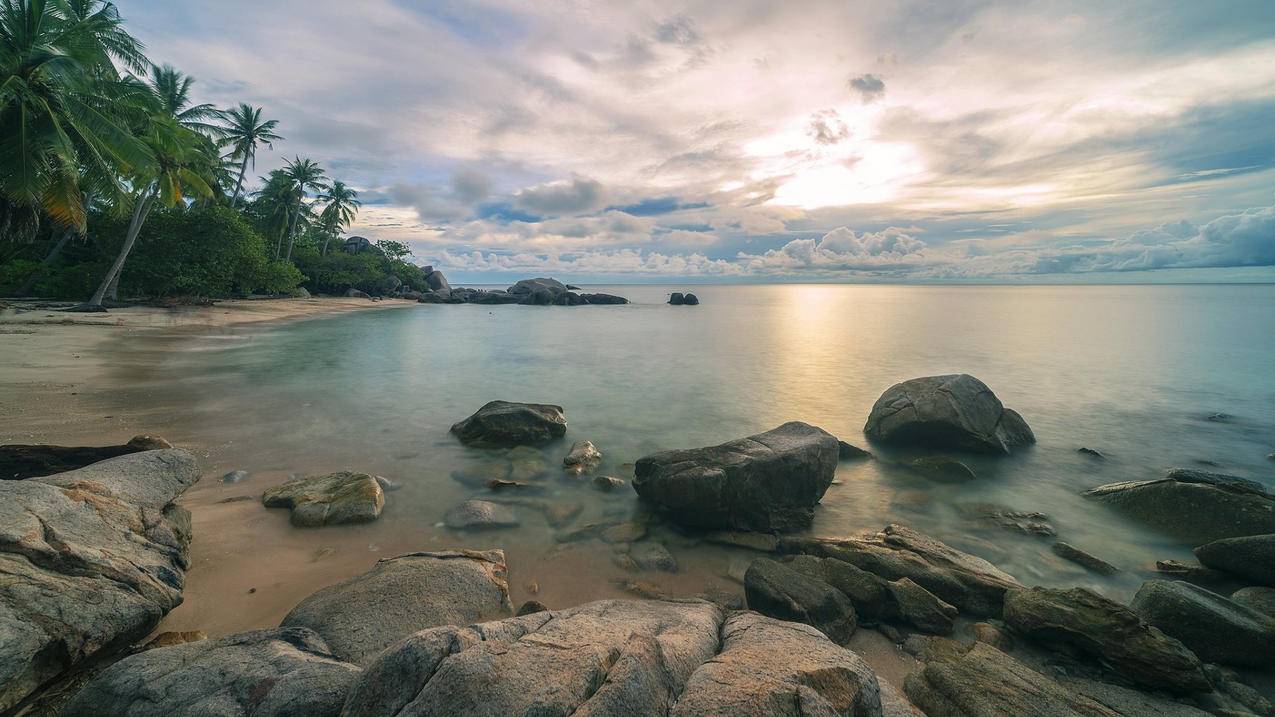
pixel 826 127
pixel 572 196
pixel 470 185
pixel 870 87
pixel 841 249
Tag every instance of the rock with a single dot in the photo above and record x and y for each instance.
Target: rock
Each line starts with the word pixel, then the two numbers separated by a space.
pixel 603 299
pixel 847 452
pixel 627 532
pixel 234 477
pixel 992 635
pixel 1089 562
pixel 168 639
pixel 929 648
pixel 943 469
pixel 1231 697
pixel 607 483
pixel 894 704
pixel 1270 456
pixel 954 412
pixel 778 591
pixel 361 616
pixel 690 300
pixel 871 595
pixel 569 298
pixel 300 293
pixel 91 561
pixel 286 671
pixel 1219 418
pixel 499 484
pixel 531 607
pixel 1259 599
pixel 921 608
pixel 438 283
pixel 1251 557
pixel 504 424
pixel 481 475
pixel 677 298
pixel 480 515
pixel 985 682
pixel 582 457
pixel 1189 572
pixel 19 462
pixel 411 295
pixel 970 583
pixel 386 484
pixel 1082 620
pixel 332 499
pixel 1019 521
pixel 618 657
pixel 528 287
pixel 1096 455
pixel 1194 506
pixel 1216 629
pixel 1127 702
pixel 560 514
pixel 767 482
pixel 653 556
pixel 761 542
pixel 357 294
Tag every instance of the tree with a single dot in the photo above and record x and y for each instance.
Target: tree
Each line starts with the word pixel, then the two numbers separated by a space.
pixel 172 90
pixel 396 250
pixel 305 176
pixel 342 207
pixel 244 132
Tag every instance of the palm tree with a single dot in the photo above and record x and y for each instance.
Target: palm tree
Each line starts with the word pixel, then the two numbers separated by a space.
pixel 172 90
pixel 306 176
pixel 63 107
pixel 342 207
pixel 244 132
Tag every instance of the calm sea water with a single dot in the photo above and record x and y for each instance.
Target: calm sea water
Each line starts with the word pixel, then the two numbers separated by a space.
pixel 1133 372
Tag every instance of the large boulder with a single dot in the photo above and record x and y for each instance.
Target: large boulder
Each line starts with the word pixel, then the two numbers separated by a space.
pixel 527 287
pixel 985 682
pixel 19 462
pixel 1216 629
pixel 767 482
pixel 438 283
pixel 1251 557
pixel 921 608
pixel 502 424
pixel 948 412
pixel 776 590
pixel 91 561
pixel 1256 598
pixel 1194 506
pixel 361 616
pixel 633 658
pixel 287 671
pixel 966 581
pixel 331 499
pixel 1082 620
pixel 871 595
pixel 603 299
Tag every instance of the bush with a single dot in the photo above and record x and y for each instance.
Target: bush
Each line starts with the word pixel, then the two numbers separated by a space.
pixel 339 272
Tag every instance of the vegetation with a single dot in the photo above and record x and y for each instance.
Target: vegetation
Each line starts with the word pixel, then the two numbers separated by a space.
pixel 115 181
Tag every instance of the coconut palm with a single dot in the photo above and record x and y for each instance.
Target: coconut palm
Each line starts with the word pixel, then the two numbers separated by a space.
pixel 342 207
pixel 243 133
pixel 306 176
pixel 172 90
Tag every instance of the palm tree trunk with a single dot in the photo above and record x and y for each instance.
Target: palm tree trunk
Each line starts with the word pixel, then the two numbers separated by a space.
pixel 292 229
pixel 327 240
pixel 134 228
pixel 49 258
pixel 243 169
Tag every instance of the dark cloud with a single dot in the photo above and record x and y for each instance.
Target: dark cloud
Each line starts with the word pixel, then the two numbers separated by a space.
pixel 678 30
pixel 870 87
pixel 470 185
pixel 826 127
pixel 567 197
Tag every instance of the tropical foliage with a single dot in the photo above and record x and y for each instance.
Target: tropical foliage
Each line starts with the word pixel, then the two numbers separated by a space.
pixel 116 181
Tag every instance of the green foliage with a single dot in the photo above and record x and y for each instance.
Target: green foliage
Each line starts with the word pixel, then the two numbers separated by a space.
pixel 368 271
pixel 394 249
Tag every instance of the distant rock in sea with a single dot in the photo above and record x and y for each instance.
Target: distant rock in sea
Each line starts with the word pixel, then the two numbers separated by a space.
pixel 528 292
pixel 679 299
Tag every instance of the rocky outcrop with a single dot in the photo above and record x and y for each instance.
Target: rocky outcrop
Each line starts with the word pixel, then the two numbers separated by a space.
pixel 1082 620
pixel 331 499
pixel 438 283
pixel 636 658
pixel 767 482
pixel 91 560
pixel 1194 506
pixel 361 616
pixel 19 462
pixel 778 591
pixel 1216 629
pixel 286 671
pixel 502 424
pixel 947 412
pixel 530 292
pixel 985 682
pixel 1251 557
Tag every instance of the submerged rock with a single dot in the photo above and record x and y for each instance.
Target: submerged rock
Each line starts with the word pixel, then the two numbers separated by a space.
pixel 582 457
pixel 943 469
pixel 607 483
pixel 1085 560
pixel 480 515
pixel 502 424
pixel 286 671
pixel 653 556
pixel 778 591
pixel 767 482
pixel 1097 455
pixel 19 462
pixel 331 499
pixel 1189 572
pixel 91 560
pixel 619 657
pixel 1082 620
pixel 363 615
pixel 954 412
pixel 1194 506
pixel 1251 557
pixel 1216 629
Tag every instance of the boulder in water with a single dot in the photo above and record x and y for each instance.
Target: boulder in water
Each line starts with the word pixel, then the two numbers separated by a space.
pixel 677 298
pixel 480 515
pixel 953 412
pixel 528 287
pixel 505 424
pixel 363 615
pixel 285 671
pixel 1085 560
pixel 603 299
pixel 1216 629
pixel 690 300
pixel 767 482
pixel 1194 506
pixel 438 283
pixel 583 457
pixel 1251 557
pixel 943 469
pixel 331 499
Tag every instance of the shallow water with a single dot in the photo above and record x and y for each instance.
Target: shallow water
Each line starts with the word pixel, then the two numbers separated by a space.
pixel 1131 371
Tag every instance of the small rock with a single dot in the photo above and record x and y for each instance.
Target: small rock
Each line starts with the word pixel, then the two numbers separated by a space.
pixel 607 483
pixel 921 608
pixel 1220 418
pixel 531 607
pixel 387 485
pixel 677 298
pixel 943 469
pixel 480 515
pixel 497 484
pixel 1089 562
pixel 992 635
pixel 505 424
pixel 322 553
pixel 690 300
pixel 624 533
pixel 1097 455
pixel 1189 572
pixel 235 477
pixel 848 452
pixel 584 456
pixel 560 514
pixel 330 499
pixel 1021 521
pixel 653 556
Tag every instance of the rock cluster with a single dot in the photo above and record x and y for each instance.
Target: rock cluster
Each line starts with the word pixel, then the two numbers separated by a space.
pixel 528 292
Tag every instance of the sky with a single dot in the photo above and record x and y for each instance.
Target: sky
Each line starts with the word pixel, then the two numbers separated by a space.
pixel 753 140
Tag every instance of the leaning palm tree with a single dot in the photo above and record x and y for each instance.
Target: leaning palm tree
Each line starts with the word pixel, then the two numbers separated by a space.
pixel 243 133
pixel 172 90
pixel 342 207
pixel 306 176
